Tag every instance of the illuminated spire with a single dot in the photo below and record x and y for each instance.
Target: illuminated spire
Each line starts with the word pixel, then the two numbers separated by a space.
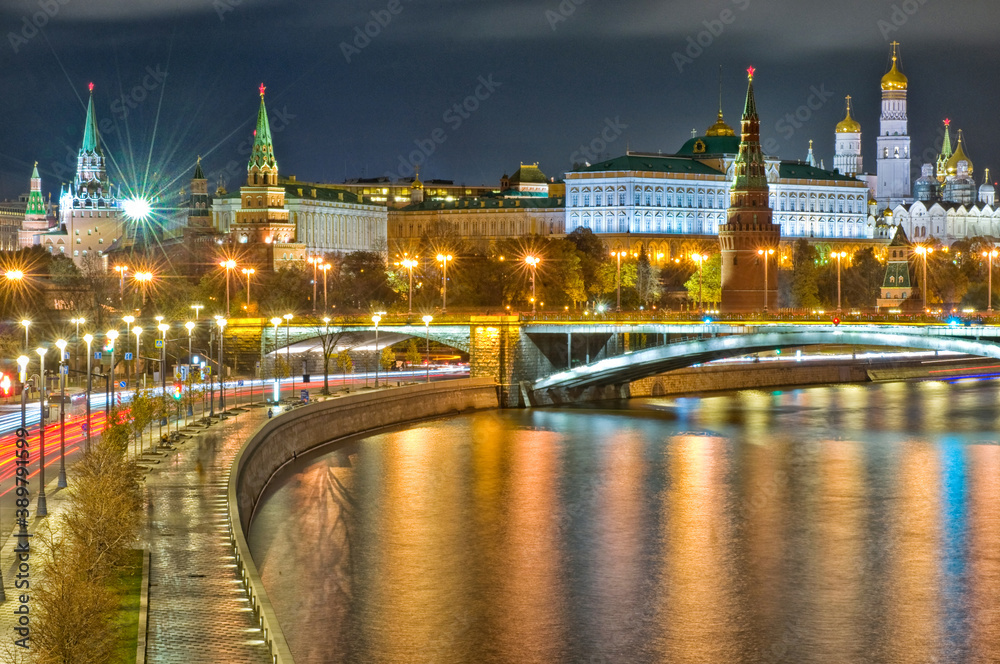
pixel 750 167
pixel 262 156
pixel 91 138
pixel 36 204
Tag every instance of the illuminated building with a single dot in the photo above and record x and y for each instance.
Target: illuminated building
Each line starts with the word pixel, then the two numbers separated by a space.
pixel 897 286
pixel 893 158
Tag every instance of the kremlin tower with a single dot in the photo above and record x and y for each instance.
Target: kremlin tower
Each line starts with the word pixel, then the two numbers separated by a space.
pixel 36 217
pixel 262 224
pixel 847 145
pixel 749 237
pixel 893 159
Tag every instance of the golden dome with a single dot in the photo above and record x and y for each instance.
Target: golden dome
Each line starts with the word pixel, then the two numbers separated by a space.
pixel 848 125
pixel 720 128
pixel 888 212
pixel 959 155
pixel 894 80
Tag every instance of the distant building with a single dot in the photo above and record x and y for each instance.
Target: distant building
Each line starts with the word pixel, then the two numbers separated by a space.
pixel 897 287
pixel 893 142
pixel 399 193
pixel 36 215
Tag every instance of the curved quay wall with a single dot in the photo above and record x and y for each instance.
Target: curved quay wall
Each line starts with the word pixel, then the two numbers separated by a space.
pixel 279 440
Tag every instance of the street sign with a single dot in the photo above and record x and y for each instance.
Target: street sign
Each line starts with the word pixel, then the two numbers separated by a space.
pixel 159 343
pixel 128 356
pixel 66 355
pixel 304 395
pixel 121 383
pixel 64 369
pixel 97 355
pixel 239 383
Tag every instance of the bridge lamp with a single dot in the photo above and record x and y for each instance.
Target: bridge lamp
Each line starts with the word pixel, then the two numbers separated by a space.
pixel 444 259
pixel 532 262
pixel 427 357
pixel 990 255
pixel 839 255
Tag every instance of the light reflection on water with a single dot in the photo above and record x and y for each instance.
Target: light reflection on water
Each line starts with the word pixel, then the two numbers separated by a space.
pixel 830 524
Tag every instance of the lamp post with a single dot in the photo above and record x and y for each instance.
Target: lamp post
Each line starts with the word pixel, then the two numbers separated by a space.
pixel 121 270
pixel 163 327
pixel 112 336
pixel 26 323
pixel 427 355
pixel 839 255
pixel 314 261
pixel 190 328
pixel 228 265
pixel 288 351
pixel 409 264
pixel 128 340
pixel 700 260
pixel 989 289
pixel 76 343
pixel 144 279
pixel 197 308
pixel 444 259
pixel 923 252
pixel 137 331
pixel 326 268
pixel 276 322
pixel 765 254
pixel 619 255
pixel 222 386
pixel 61 345
pixel 249 272
pixel 376 319
pixel 88 338
pixel 42 509
pixel 533 262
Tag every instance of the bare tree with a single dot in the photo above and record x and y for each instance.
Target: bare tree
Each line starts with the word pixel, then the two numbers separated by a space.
pixel 329 338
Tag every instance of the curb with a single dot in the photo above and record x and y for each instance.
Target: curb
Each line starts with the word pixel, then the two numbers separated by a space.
pixel 140 649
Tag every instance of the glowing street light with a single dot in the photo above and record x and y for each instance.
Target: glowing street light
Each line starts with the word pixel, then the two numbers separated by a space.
pixel 61 345
pixel 315 262
pixel 376 319
pixel 14 275
pixel 89 338
pixel 121 270
pixel 409 264
pixel 325 267
pixel 990 255
pixel 163 327
pixel 42 509
pixel 197 309
pixel 619 255
pixel 444 259
pixel 533 262
pixel 427 356
pixel 249 272
pixel 288 351
pixel 228 265
pixel 137 331
pixel 838 255
pixel 766 255
pixel 144 279
pixel 923 252
pixel 26 323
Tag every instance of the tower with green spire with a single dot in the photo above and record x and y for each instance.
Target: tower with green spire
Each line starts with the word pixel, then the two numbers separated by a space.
pixel 262 226
pixel 749 240
pixel 36 214
pixel 946 152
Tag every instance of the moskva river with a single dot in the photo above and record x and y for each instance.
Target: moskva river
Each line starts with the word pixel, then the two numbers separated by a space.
pixel 829 524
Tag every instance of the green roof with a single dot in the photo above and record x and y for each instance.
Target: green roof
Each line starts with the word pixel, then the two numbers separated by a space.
pixel 528 173
pixel 656 163
pixel 320 192
pixel 476 202
pixel 796 170
pixel 263 149
pixel 713 145
pixel 198 173
pixel 36 204
pixel 897 275
pixel 91 139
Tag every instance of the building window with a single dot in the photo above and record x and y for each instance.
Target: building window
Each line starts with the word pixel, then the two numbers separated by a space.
pixel 598 200
pixel 621 199
pixel 659 199
pixel 586 200
pixel 637 196
pixel 649 199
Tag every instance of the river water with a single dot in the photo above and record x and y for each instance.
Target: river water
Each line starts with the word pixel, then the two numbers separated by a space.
pixel 829 524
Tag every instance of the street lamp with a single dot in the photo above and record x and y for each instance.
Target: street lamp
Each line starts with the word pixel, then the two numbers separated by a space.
pixel 121 270
pixel 61 345
pixel 249 271
pixel 376 319
pixel 137 331
pixel 112 336
pixel 222 386
pixel 838 255
pixel 190 328
pixel 427 356
pixel 990 255
pixel 533 262
pixel 409 264
pixel 144 279
pixel 42 509
pixel 314 261
pixel 89 338
pixel 228 265
pixel 14 275
pixel 766 255
pixel 619 255
pixel 76 344
pixel 700 260
pixel 326 268
pixel 276 321
pixel 128 340
pixel 197 309
pixel 288 351
pixel 163 327
pixel 444 259
pixel 923 252
pixel 26 323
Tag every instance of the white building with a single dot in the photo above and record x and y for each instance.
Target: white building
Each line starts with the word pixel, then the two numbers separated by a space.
pixel 893 158
pixel 847 145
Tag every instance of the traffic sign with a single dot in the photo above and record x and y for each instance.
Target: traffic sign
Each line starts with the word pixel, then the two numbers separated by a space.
pixel 64 369
pixel 121 383
pixel 97 355
pixel 128 356
pixel 66 355
pixel 159 343
pixel 239 383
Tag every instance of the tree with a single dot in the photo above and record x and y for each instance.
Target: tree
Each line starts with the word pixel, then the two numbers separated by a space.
pixel 711 281
pixel 647 280
pixel 805 284
pixel 862 280
pixel 387 358
pixel 345 364
pixel 329 338
pixel 413 355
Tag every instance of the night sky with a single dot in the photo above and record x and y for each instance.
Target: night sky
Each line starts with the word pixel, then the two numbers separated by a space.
pixel 178 78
